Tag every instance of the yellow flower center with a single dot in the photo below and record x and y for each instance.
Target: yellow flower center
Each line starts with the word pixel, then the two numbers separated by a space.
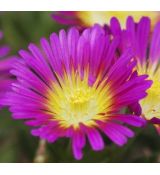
pixel 72 101
pixel 80 97
pixel 151 103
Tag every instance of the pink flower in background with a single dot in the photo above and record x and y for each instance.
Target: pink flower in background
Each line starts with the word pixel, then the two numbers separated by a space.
pixel 5 66
pixel 88 18
pixel 146 48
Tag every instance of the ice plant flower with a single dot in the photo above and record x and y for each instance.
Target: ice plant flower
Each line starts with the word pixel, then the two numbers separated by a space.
pixel 146 48
pixel 88 18
pixel 5 65
pixel 72 87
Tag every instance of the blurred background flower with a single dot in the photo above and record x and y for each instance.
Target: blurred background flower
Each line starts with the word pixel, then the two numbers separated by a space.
pixel 145 44
pixel 88 18
pixel 5 77
pixel 6 61
pixel 17 145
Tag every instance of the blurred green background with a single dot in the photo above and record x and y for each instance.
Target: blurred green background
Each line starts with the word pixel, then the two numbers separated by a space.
pixel 16 142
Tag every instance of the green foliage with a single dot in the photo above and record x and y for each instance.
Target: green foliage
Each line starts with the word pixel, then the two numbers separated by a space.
pixel 21 28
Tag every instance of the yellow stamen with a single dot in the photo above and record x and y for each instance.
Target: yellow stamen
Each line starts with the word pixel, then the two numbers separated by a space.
pixel 76 102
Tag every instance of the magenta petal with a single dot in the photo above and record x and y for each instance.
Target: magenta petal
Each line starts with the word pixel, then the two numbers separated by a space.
pixel 155 45
pixel 155 120
pixel 122 129
pixel 143 31
pixel 4 50
pixel 65 18
pixel 52 138
pixel 136 108
pixel 79 139
pixel 77 152
pixel 115 26
pixel 131 120
pixel 95 139
pixel 35 132
pixel 116 136
pixel 34 122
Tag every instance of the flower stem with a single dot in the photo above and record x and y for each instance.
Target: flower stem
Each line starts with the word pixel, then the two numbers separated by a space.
pixel 40 156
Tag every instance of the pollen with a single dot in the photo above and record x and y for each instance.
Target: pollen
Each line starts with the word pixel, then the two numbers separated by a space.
pixel 74 101
pixel 80 97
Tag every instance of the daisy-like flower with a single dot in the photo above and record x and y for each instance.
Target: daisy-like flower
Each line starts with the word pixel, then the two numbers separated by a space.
pixel 88 18
pixel 72 87
pixel 146 48
pixel 5 65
